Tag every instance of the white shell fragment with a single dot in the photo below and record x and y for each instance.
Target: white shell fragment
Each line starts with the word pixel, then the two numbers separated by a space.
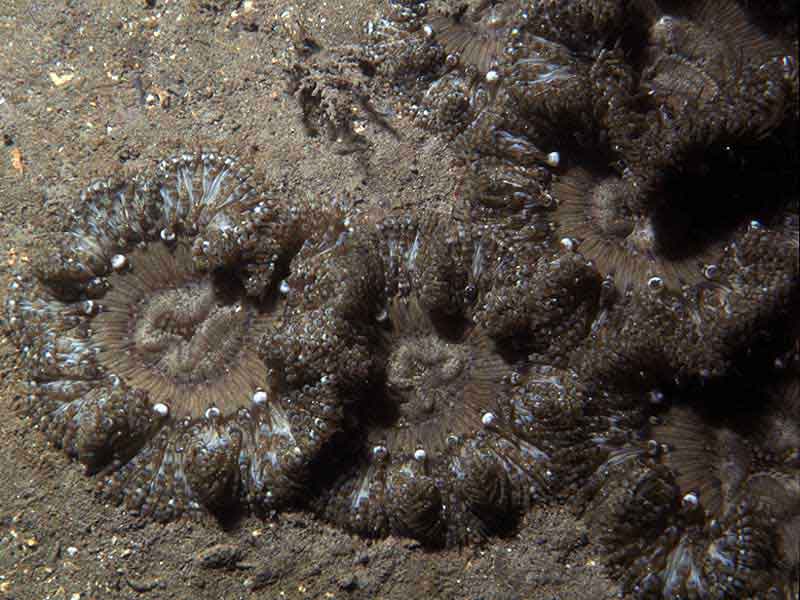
pixel 118 262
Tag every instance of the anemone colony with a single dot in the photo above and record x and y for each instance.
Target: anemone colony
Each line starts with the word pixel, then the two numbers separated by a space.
pixel 605 313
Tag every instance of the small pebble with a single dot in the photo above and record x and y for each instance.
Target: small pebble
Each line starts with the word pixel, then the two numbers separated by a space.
pixel 144 584
pixel 262 579
pixel 219 556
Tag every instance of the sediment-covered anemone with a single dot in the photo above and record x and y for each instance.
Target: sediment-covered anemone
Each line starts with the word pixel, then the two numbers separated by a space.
pixel 139 333
pixel 662 547
pixel 476 38
pixel 438 448
pixel 712 75
pixel 703 501
pixel 184 339
pixel 660 335
pixel 438 463
pixel 715 52
pixel 452 58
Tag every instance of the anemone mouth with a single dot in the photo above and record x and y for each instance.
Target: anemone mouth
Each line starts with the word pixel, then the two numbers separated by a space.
pixel 599 213
pixel 710 463
pixel 477 38
pixel 688 65
pixel 423 374
pixel 609 210
pixel 435 386
pixel 681 86
pixel 185 336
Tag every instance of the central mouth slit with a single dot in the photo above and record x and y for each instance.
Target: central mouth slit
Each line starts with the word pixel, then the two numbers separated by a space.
pixel 185 336
pixel 424 375
pixel 187 333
